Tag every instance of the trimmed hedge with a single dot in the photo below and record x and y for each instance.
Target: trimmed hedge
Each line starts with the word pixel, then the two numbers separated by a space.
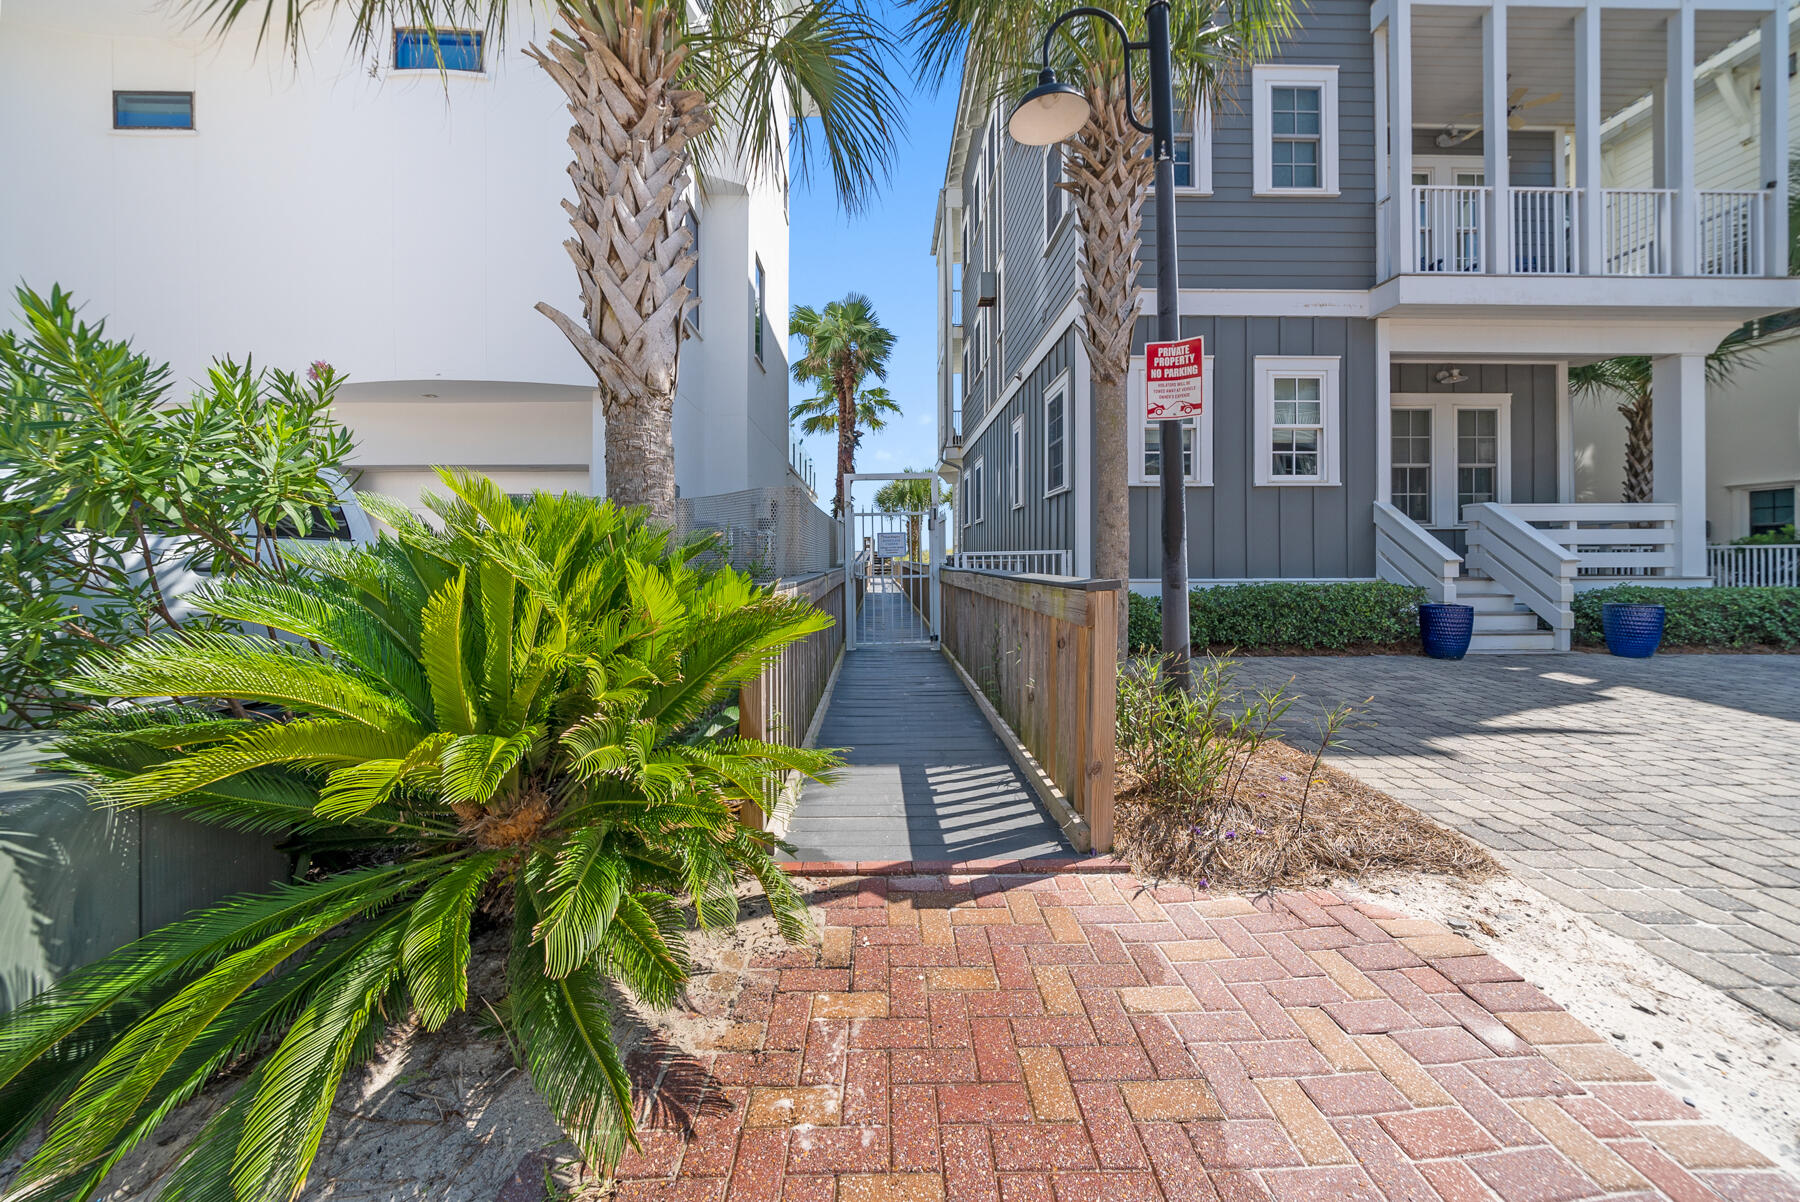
pixel 1703 617
pixel 1326 617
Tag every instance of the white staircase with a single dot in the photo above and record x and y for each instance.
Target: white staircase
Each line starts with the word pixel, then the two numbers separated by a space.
pixel 1502 624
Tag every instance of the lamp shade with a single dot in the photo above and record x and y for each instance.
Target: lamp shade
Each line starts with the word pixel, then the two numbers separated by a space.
pixel 1049 113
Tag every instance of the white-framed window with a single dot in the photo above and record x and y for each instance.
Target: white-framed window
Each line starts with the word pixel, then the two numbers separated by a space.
pixel 692 317
pixel 759 308
pixel 1058 204
pixel 1015 462
pixel 417 49
pixel 1145 438
pixel 1056 436
pixel 974 502
pixel 977 348
pixel 1294 124
pixel 1193 149
pixel 1297 410
pixel 1449 450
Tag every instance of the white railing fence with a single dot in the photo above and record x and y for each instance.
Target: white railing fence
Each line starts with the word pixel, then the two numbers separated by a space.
pixel 1775 565
pixel 1017 563
pixel 1447 227
pixel 1406 553
pixel 1611 541
pixel 1636 222
pixel 1537 570
pixel 1544 238
pixel 1731 233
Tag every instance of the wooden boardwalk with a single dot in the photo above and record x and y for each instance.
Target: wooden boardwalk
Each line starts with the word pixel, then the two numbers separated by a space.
pixel 926 778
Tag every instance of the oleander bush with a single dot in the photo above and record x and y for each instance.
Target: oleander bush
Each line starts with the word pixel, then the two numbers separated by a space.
pixel 1308 617
pixel 1703 617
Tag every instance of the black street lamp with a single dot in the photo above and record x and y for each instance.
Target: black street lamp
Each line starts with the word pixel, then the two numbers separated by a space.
pixel 1054 111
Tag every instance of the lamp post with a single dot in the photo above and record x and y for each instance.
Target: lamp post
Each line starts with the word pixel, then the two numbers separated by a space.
pixel 1054 111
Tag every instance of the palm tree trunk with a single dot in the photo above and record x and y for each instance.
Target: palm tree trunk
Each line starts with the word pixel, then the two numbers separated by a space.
pixel 631 248
pixel 846 456
pixel 1640 466
pixel 1109 175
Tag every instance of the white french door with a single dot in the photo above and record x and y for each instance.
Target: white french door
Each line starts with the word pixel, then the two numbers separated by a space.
pixel 1449 450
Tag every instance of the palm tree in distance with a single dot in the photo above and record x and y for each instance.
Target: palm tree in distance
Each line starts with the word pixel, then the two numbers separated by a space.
pixel 649 92
pixel 845 346
pixel 912 498
pixel 1626 381
pixel 996 45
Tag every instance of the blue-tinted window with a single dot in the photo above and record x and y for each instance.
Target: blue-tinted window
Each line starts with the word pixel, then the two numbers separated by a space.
pixel 153 110
pixel 418 49
pixel 1771 509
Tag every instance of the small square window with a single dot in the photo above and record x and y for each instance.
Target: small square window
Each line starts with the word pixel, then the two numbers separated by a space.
pixel 153 110
pixel 437 49
pixel 1771 509
pixel 1296 420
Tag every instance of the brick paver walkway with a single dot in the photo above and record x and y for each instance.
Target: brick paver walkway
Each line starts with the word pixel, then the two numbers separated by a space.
pixel 1082 1038
pixel 1661 796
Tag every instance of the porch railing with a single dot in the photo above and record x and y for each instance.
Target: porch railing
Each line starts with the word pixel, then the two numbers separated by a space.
pixel 1637 224
pixel 1545 231
pixel 1731 233
pixel 1610 541
pixel 1772 566
pixel 1447 228
pixel 1406 553
pixel 1536 569
pixel 1016 563
pixel 1043 652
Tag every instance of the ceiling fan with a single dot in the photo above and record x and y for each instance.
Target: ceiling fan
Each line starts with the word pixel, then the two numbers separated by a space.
pixel 1455 135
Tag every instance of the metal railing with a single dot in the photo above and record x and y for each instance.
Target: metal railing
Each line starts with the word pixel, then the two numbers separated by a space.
pixel 1544 230
pixel 1447 228
pixel 1016 563
pixel 1772 565
pixel 1731 233
pixel 1637 223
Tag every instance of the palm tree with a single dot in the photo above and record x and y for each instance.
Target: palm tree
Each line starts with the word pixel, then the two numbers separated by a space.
pixel 648 92
pixel 499 725
pixel 997 44
pixel 846 345
pixel 911 497
pixel 1626 381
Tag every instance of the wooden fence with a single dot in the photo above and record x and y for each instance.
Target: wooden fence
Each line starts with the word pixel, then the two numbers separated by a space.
pixel 778 706
pixel 1043 650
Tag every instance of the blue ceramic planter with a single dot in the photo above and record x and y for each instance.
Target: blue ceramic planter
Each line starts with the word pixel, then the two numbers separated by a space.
pixel 1446 629
pixel 1633 631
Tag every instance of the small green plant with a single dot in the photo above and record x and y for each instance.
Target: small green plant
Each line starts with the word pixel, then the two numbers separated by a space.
pixel 1191 748
pixel 1330 724
pixel 1702 617
pixel 1317 617
pixel 1780 536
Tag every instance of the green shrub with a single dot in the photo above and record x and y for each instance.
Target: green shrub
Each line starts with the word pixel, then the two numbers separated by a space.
pixel 1703 617
pixel 1327 617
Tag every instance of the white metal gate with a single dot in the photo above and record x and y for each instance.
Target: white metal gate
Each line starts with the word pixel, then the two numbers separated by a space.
pixel 891 559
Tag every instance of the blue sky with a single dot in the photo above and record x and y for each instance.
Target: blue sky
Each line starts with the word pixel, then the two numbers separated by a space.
pixel 884 252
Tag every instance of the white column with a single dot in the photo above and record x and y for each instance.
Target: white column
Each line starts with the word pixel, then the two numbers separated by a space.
pixel 1386 257
pixel 1773 139
pixel 1678 142
pixel 597 451
pixel 1590 213
pixel 1678 452
pixel 1498 248
pixel 1384 412
pixel 1400 136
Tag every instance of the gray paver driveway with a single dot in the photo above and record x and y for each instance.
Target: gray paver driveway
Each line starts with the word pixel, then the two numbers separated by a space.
pixel 1661 796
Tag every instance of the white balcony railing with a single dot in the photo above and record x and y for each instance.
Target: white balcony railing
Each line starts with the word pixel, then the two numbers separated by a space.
pixel 1731 233
pixel 1774 565
pixel 1017 563
pixel 1544 231
pixel 1637 224
pixel 1447 228
pixel 1611 541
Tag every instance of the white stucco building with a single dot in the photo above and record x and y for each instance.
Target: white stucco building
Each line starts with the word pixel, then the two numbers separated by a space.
pixel 397 223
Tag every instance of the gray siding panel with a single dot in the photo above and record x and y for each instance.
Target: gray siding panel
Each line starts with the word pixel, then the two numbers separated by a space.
pixel 1232 239
pixel 1042 523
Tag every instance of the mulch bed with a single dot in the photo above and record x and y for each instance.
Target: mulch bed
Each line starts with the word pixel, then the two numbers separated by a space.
pixel 1258 840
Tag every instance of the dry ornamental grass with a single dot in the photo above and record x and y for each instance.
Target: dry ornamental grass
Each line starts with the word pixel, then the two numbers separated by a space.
pixel 1207 795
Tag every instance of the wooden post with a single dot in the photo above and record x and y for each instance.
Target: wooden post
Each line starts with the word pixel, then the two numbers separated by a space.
pixel 753 723
pixel 1103 700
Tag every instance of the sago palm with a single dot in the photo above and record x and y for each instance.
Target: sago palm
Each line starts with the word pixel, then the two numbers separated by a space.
pixel 650 92
pixel 997 47
pixel 495 723
pixel 845 346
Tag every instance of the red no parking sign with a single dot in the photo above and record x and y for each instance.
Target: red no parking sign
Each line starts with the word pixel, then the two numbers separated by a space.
pixel 1173 387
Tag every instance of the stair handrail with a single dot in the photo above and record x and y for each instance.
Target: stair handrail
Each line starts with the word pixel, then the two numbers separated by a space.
pixel 1407 553
pixel 1522 559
